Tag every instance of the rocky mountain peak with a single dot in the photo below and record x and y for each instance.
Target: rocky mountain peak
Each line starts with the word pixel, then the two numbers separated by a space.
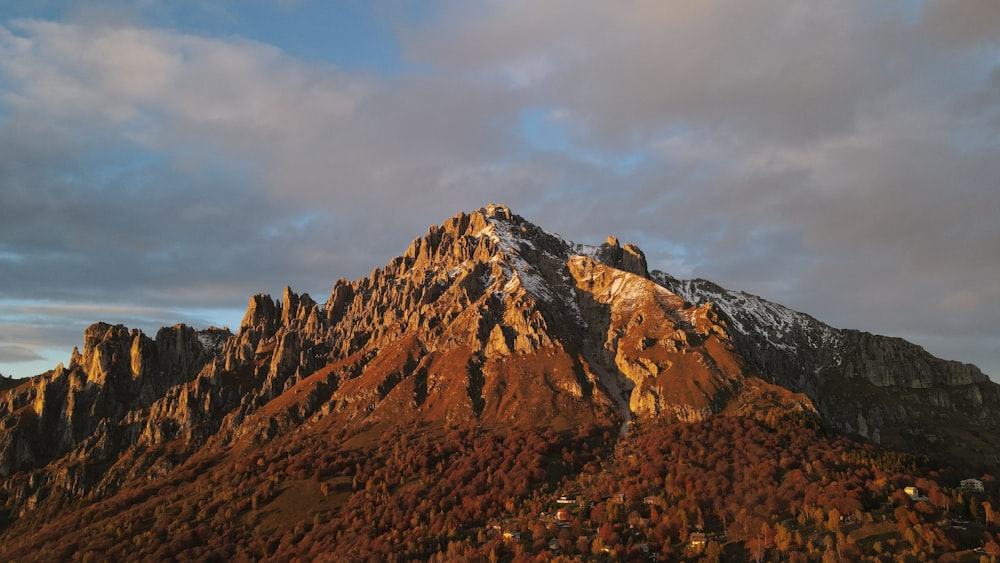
pixel 498 211
pixel 487 319
pixel 262 313
pixel 628 257
pixel 498 287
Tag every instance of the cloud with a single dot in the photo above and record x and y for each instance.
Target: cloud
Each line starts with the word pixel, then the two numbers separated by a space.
pixel 962 300
pixel 134 157
pixel 165 87
pixel 627 70
pixel 12 353
pixel 838 158
pixel 310 134
pixel 962 22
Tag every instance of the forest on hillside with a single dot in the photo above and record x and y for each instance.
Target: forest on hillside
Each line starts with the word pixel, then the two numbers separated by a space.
pixel 774 487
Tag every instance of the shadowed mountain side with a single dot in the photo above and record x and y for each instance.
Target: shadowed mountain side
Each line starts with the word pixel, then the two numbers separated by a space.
pixel 885 389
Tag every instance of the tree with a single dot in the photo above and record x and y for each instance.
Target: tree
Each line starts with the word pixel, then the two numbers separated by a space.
pixel 598 514
pixel 539 532
pixel 833 521
pixel 713 551
pixel 782 538
pixel 607 534
pixel 757 548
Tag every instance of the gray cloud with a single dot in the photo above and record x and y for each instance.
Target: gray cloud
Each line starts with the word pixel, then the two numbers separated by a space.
pixel 962 23
pixel 840 159
pixel 628 70
pixel 13 353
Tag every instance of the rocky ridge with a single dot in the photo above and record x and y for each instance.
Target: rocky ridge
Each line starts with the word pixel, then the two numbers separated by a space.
pixel 876 386
pixel 485 318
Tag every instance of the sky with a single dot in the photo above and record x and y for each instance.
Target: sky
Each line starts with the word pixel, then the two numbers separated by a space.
pixel 163 160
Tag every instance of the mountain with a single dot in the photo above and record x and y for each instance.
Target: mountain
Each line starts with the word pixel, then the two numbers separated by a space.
pixel 486 328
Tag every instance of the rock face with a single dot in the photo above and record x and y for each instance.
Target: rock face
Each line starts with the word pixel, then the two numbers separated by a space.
pixel 486 318
pixel 73 421
pixel 885 389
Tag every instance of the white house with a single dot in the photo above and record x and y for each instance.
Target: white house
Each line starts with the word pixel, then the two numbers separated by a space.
pixel 914 494
pixel 972 486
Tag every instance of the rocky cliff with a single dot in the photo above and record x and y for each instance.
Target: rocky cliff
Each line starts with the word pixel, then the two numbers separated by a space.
pixel 487 319
pixel 885 389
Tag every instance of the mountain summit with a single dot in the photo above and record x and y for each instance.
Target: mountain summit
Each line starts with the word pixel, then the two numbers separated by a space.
pixel 486 320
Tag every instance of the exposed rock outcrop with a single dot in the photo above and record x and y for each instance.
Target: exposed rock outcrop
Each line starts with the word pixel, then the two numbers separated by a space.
pixel 74 421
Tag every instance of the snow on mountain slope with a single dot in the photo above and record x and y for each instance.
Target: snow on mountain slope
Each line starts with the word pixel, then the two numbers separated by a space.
pixel 751 315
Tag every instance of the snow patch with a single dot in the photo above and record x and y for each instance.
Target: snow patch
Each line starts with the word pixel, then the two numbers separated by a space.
pixel 583 249
pixel 517 270
pixel 752 315
pixel 211 341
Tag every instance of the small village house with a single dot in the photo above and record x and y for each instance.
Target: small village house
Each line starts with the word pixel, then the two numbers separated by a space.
pixel 972 486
